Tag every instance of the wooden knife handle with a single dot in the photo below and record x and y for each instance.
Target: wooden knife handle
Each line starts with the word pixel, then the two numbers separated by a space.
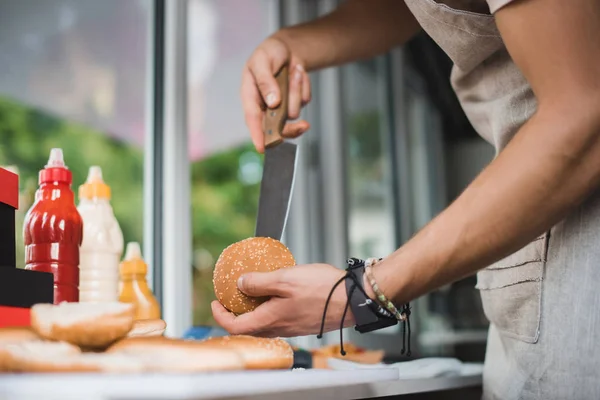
pixel 275 118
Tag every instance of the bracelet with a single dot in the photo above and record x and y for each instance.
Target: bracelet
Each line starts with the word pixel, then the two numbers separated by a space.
pixel 401 316
pixel 380 296
pixel 404 316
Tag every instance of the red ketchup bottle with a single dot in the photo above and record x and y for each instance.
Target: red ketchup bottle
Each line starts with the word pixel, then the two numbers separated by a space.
pixel 53 230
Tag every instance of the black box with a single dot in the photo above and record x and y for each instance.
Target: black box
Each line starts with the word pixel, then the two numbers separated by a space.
pixel 23 288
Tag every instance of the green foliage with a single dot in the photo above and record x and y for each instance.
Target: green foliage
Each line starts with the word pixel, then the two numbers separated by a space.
pixel 364 137
pixel 224 212
pixel 26 137
pixel 224 209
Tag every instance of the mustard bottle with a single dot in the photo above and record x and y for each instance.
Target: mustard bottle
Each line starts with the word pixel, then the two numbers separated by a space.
pixel 133 287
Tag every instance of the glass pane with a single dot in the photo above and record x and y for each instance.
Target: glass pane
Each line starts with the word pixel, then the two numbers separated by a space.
pixel 74 77
pixel 226 170
pixel 439 168
pixel 369 180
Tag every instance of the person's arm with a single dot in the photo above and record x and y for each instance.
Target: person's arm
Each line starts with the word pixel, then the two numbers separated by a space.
pixel 550 167
pixel 356 30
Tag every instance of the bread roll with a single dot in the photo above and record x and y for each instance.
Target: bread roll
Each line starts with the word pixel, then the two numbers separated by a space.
pixel 147 327
pixel 45 356
pixel 257 353
pixel 89 325
pixel 256 254
pixel 16 335
pixel 161 354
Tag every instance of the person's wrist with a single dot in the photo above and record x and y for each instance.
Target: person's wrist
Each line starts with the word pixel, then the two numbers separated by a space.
pixel 380 272
pixel 342 294
pixel 368 289
pixel 293 44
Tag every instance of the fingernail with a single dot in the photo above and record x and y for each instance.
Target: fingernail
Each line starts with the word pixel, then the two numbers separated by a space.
pixel 299 67
pixel 297 76
pixel 270 99
pixel 240 282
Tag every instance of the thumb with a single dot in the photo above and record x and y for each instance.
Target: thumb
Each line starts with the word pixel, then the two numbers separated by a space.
pixel 259 284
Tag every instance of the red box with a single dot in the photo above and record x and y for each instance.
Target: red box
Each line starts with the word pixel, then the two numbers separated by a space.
pixel 9 188
pixel 19 289
pixel 9 202
pixel 14 316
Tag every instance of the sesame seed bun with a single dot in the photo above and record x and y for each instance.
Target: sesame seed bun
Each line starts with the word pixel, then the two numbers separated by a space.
pixel 257 353
pixel 256 254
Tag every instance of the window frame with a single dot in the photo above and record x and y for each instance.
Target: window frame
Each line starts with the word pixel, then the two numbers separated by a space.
pixel 167 169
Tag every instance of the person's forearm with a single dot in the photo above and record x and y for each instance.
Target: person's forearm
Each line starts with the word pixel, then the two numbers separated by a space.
pixel 358 29
pixel 549 168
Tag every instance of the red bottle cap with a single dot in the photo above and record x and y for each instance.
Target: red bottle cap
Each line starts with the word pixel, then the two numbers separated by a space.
pixel 55 170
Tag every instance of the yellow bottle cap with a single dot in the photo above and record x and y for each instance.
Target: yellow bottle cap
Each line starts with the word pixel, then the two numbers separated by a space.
pixel 133 263
pixel 94 186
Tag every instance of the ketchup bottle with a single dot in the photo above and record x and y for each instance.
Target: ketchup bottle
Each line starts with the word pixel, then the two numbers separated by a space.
pixel 53 230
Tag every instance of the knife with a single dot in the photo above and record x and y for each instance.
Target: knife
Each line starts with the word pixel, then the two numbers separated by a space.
pixel 278 170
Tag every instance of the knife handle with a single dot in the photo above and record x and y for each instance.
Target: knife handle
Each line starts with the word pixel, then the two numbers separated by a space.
pixel 275 118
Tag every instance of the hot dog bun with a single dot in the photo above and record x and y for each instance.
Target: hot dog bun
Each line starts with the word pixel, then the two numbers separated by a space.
pixel 176 355
pixel 257 353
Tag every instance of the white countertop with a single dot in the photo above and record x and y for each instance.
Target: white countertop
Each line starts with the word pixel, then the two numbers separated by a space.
pixel 289 385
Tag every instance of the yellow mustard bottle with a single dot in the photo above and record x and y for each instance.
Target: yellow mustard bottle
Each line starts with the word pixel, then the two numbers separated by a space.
pixel 133 287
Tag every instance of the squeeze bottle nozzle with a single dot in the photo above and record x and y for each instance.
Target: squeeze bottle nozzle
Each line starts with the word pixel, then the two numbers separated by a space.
pixel 56 159
pixel 133 251
pixel 95 174
pixel 94 186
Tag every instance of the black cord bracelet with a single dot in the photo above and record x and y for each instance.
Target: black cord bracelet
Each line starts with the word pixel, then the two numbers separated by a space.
pixel 378 311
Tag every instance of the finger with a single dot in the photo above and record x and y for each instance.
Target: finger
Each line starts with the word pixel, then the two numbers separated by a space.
pixel 259 284
pixel 264 71
pixel 251 323
pixel 222 316
pixel 306 88
pixel 295 92
pixel 253 113
pixel 295 129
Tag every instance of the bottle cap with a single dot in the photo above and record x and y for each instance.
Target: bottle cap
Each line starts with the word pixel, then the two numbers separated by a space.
pixel 133 263
pixel 94 186
pixel 55 170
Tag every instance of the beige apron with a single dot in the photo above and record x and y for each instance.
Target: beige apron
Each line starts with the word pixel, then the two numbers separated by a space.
pixel 543 302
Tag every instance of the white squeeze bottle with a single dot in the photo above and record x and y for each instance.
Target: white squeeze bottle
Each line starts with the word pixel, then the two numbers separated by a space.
pixel 102 246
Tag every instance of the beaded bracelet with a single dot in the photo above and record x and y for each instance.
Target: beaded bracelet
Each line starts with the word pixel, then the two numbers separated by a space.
pixel 380 296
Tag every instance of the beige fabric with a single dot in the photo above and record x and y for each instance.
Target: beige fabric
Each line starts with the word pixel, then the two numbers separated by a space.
pixel 543 300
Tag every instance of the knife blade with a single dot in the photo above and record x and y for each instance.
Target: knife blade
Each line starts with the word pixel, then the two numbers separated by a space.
pixel 278 170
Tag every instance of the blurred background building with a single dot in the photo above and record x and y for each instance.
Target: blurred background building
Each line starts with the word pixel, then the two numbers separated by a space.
pixel 131 84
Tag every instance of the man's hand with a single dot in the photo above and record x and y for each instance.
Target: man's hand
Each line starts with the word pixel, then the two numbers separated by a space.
pixel 260 90
pixel 295 308
pixel 356 30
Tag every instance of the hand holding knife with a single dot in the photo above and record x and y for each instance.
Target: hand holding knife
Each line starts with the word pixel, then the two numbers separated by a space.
pixel 279 166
